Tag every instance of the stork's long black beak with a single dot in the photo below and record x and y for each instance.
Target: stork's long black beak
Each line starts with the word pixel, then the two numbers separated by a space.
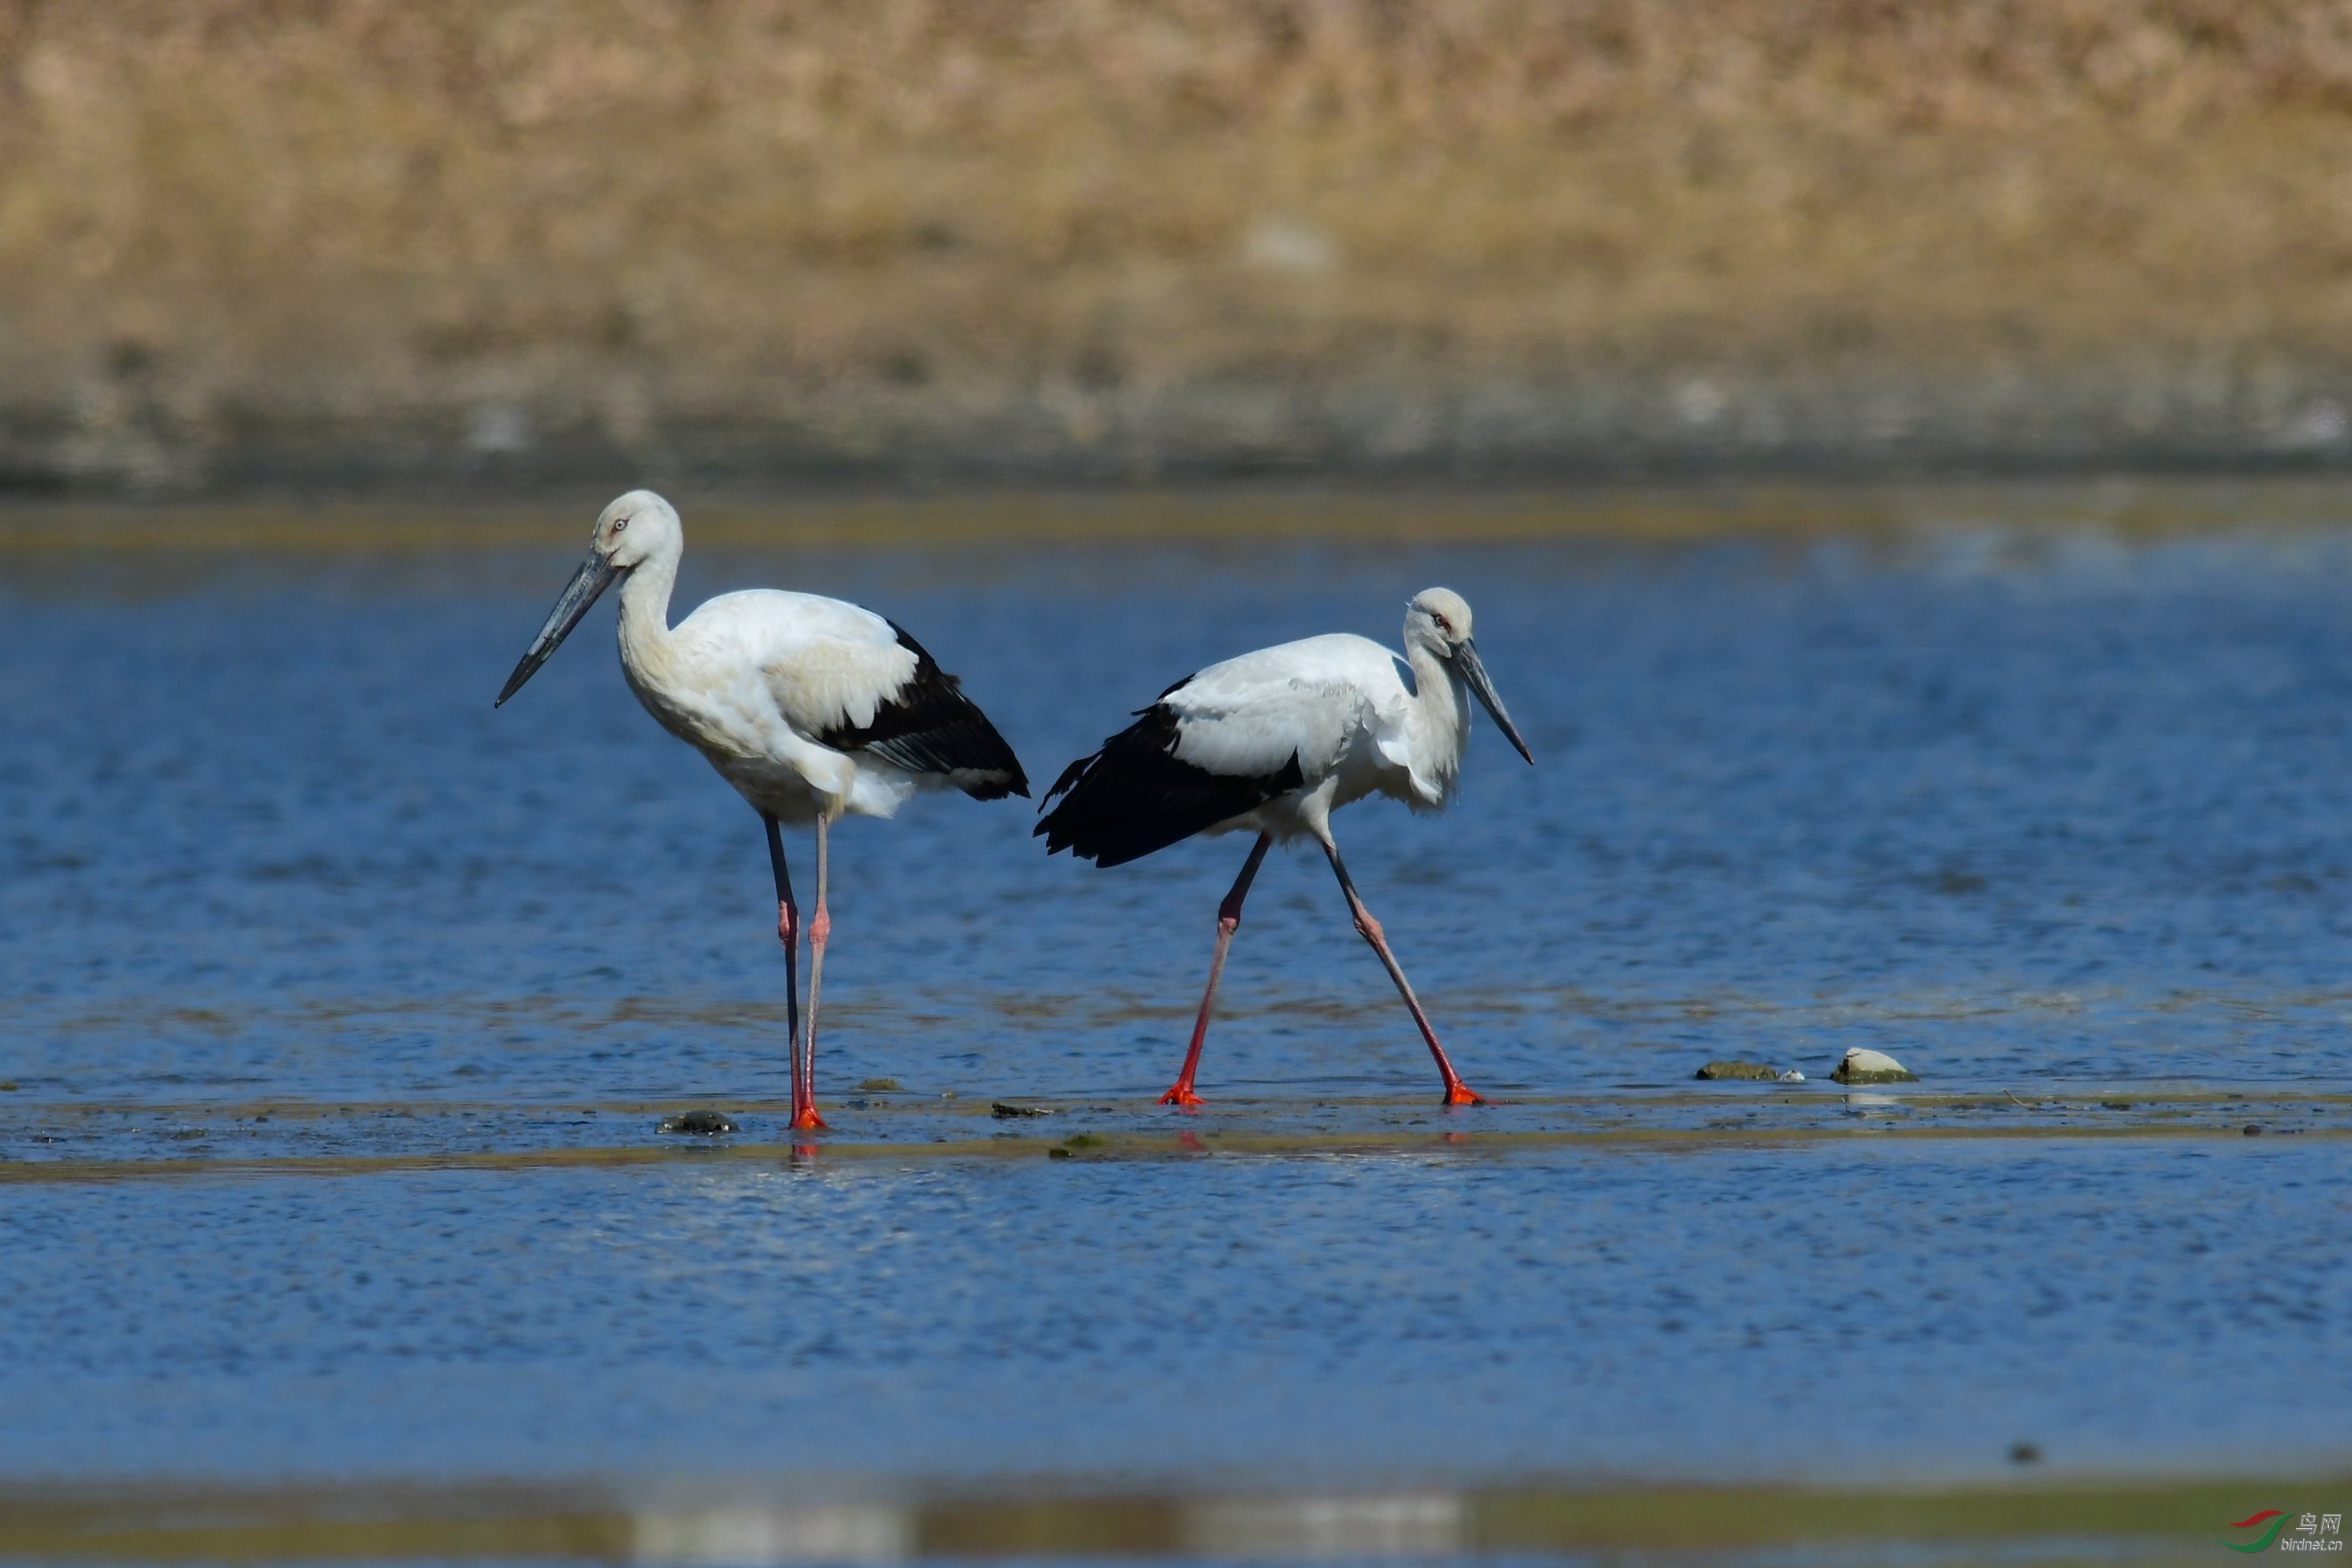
pixel 1466 660
pixel 595 575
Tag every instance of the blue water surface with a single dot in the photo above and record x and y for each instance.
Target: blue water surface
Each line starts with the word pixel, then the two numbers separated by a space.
pixel 2006 805
pixel 2028 808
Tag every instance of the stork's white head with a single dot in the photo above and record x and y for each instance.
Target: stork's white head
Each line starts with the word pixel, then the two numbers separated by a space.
pixel 1438 620
pixel 636 528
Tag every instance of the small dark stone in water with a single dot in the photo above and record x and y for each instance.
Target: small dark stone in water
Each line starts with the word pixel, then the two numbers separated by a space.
pixel 2025 1453
pixel 2117 1104
pixel 879 1085
pixel 708 1123
pixel 7 1085
pixel 1058 1153
pixel 999 1109
pixel 2254 1129
pixel 1735 1069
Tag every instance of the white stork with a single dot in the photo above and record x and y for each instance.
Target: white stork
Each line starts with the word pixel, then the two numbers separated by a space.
pixel 810 707
pixel 1274 741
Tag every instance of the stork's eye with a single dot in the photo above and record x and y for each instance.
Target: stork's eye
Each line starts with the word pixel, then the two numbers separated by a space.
pixel 619 523
pixel 1442 624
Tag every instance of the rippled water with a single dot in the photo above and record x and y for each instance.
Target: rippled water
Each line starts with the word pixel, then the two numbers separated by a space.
pixel 2062 819
pixel 1426 1319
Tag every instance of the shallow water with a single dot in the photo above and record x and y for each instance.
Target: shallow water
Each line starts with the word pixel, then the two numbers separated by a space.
pixel 393 989
pixel 1434 1317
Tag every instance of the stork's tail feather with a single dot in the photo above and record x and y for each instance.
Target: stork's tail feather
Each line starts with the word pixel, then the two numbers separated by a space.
pixel 930 726
pixel 1135 795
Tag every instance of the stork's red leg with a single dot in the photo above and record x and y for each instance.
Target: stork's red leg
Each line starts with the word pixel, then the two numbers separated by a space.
pixel 1456 1091
pixel 1229 919
pixel 788 923
pixel 820 929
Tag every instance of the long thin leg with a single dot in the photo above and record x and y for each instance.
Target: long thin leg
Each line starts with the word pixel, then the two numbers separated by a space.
pixel 1229 917
pixel 820 929
pixel 1456 1091
pixel 787 932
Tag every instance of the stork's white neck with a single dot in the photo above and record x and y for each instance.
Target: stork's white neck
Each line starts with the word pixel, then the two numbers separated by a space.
pixel 645 615
pixel 1441 714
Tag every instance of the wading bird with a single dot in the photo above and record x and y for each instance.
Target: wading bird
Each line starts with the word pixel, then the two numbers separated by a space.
pixel 1274 741
pixel 813 708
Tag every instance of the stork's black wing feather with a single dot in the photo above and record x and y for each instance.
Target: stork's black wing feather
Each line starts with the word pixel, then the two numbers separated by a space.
pixel 1135 795
pixel 930 726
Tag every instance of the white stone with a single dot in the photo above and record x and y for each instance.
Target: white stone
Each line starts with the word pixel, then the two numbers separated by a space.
pixel 1861 1066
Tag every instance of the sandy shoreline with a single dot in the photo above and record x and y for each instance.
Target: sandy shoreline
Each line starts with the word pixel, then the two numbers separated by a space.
pixel 393 248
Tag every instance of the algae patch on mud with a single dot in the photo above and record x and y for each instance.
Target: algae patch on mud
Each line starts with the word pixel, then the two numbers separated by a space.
pixel 2061 1522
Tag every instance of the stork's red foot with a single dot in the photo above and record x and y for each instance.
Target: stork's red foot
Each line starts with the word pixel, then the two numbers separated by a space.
pixel 806 1118
pixel 1458 1093
pixel 1182 1094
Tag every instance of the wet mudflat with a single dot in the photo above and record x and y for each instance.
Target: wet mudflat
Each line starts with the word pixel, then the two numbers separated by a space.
pixel 339 1015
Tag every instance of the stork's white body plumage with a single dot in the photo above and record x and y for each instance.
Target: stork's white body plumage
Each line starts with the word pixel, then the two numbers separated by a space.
pixel 813 708
pixel 751 679
pixel 1274 741
pixel 1359 719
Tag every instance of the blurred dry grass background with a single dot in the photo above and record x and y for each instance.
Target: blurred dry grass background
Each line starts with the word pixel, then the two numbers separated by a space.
pixel 393 237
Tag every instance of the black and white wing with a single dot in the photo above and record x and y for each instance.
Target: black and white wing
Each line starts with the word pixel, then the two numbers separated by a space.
pixel 847 679
pixel 1139 794
pixel 927 725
